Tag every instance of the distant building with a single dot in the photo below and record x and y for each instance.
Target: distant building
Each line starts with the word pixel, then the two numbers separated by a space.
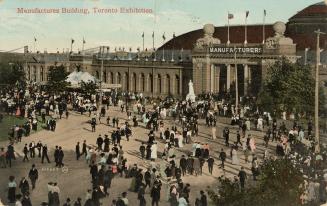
pixel 202 56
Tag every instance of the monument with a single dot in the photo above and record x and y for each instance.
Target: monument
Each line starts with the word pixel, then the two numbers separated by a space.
pixel 191 95
pixel 207 39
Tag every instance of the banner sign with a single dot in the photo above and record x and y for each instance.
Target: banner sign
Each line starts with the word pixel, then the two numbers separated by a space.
pixel 237 50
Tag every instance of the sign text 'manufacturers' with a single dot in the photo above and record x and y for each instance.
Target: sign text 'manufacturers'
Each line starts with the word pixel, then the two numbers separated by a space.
pixel 238 50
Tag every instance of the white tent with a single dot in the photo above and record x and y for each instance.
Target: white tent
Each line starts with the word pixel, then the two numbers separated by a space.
pixel 75 78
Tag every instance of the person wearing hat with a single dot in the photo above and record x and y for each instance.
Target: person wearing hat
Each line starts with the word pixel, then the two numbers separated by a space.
pixel 67 203
pixel 18 200
pixel 124 198
pixel 78 202
pixel 33 175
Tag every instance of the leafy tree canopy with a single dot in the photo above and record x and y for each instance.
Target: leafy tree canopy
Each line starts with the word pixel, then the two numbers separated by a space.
pixel 289 87
pixel 57 79
pixel 12 74
pixel 279 184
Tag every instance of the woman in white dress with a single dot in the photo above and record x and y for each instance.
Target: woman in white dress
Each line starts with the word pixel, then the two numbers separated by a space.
pixel 88 154
pixel 213 130
pixel 180 140
pixel 252 144
pixel 154 151
pixel 235 160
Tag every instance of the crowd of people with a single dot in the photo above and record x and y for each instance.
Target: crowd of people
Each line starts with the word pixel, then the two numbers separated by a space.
pixel 107 160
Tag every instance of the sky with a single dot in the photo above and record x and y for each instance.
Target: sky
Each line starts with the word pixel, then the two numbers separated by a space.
pixel 55 31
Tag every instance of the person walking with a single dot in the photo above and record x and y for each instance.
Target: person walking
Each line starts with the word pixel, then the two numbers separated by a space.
pixel 77 151
pixel 222 157
pixel 12 189
pixel 210 161
pixel 10 154
pixel 242 177
pixel 45 154
pixel 155 195
pixel 33 175
pixel 25 151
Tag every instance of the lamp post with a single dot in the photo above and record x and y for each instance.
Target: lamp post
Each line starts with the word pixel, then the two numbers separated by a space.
pixel 317 138
pixel 101 72
pixel 236 83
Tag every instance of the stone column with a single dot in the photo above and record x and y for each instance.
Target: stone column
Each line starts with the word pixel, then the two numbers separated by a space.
pixel 155 84
pixel 228 82
pixel 207 74
pixel 246 79
pixel 217 78
pixel 212 78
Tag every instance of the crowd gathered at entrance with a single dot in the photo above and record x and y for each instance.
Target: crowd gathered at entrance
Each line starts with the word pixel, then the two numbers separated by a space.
pixel 173 123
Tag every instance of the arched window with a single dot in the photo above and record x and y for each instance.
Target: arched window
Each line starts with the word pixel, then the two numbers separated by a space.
pixel 34 73
pixel 29 72
pixel 126 80
pixel 104 77
pixel 168 84
pixel 151 82
pixel 118 78
pixel 134 82
pixel 177 84
pixel 42 74
pixel 159 84
pixel 142 82
pixel 111 78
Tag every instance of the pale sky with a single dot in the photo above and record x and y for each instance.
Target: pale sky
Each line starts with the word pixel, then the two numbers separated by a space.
pixel 54 31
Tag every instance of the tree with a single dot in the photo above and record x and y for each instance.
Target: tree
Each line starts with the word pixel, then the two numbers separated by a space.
pixel 57 79
pixel 89 87
pixel 12 74
pixel 288 87
pixel 280 184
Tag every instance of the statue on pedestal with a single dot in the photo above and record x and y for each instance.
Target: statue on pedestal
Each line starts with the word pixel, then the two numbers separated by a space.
pixel 191 95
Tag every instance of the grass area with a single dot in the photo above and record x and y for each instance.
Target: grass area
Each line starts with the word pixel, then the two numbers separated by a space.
pixel 7 123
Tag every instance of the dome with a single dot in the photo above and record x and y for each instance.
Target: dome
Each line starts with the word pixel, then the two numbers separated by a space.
pixel 314 10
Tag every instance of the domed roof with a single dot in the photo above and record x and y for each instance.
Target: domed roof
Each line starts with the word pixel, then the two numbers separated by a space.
pixel 314 10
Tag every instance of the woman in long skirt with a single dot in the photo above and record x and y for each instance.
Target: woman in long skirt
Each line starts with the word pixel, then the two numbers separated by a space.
pixel 235 160
pixel 12 189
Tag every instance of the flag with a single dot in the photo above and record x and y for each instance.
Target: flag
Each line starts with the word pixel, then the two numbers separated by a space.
pixel 84 41
pixel 174 36
pixel 152 34
pixel 73 41
pixel 247 14
pixel 163 37
pixel 35 39
pixel 230 16
pixel 264 12
pixel 143 35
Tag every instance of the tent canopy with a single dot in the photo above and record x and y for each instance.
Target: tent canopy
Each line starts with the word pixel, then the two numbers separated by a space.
pixel 75 78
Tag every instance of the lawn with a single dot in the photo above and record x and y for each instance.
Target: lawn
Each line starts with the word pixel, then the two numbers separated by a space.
pixel 8 121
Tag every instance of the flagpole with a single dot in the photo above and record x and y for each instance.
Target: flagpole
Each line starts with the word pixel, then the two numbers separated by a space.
pixel 172 53
pixel 163 49
pixel 34 44
pixel 246 35
pixel 228 42
pixel 83 45
pixel 263 27
pixel 143 40
pixel 153 40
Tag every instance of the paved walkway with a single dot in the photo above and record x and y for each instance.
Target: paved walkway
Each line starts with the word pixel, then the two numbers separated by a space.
pixel 75 179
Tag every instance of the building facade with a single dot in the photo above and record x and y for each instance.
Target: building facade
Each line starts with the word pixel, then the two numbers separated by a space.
pixel 203 56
